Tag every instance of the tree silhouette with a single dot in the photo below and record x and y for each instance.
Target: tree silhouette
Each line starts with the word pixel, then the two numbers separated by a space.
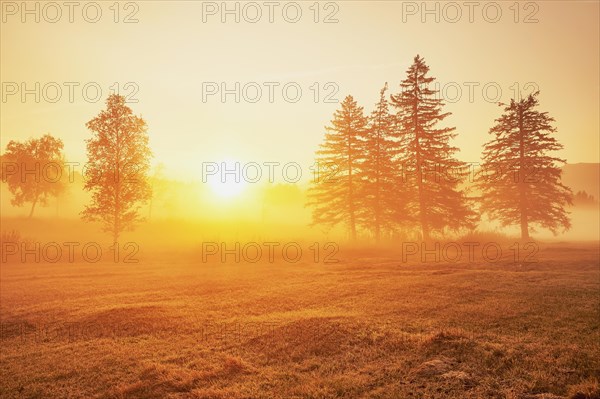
pixel 380 190
pixel 583 199
pixel 334 193
pixel 34 170
pixel 119 161
pixel 430 170
pixel 525 187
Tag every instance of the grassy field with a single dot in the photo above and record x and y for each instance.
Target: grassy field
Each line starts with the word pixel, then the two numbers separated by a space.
pixel 369 326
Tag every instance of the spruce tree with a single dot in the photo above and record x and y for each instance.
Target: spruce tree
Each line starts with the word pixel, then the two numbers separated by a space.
pixel 520 182
pixel 380 188
pixel 334 194
pixel 431 172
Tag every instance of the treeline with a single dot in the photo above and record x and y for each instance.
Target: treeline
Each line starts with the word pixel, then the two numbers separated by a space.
pixel 585 200
pixel 396 169
pixel 392 171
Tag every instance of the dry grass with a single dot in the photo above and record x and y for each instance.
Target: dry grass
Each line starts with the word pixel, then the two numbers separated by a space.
pixel 367 327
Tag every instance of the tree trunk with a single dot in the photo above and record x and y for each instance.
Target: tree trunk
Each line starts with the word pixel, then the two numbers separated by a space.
pixel 351 194
pixel 524 228
pixel 521 182
pixel 33 206
pixel 418 161
pixel 422 206
pixel 377 213
pixel 378 186
pixel 118 179
pixel 352 217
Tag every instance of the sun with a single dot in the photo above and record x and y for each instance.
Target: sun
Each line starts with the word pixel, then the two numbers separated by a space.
pixel 226 183
pixel 227 189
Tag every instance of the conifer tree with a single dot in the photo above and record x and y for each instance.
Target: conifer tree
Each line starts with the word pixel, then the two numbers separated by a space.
pixel 520 182
pixel 431 172
pixel 380 189
pixel 334 194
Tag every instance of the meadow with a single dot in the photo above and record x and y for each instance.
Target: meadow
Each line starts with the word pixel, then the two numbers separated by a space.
pixel 372 325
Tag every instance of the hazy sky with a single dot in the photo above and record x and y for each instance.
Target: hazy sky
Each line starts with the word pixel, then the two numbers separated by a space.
pixel 170 53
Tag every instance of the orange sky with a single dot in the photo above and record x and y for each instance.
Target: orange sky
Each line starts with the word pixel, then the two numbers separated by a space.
pixel 170 52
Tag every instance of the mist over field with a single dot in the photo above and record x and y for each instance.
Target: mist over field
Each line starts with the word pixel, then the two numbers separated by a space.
pixel 268 211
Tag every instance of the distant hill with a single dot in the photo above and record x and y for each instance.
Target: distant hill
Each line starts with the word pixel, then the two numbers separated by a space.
pixel 582 177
